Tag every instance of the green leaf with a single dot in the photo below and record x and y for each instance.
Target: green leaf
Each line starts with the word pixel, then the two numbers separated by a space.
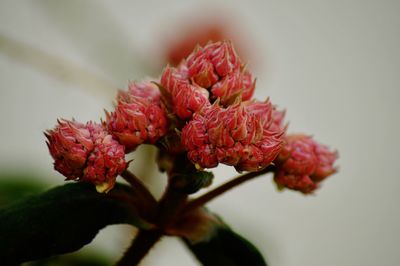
pixel 75 259
pixel 226 248
pixel 190 183
pixel 17 185
pixel 63 219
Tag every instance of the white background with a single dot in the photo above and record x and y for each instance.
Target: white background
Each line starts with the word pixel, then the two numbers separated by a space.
pixel 334 65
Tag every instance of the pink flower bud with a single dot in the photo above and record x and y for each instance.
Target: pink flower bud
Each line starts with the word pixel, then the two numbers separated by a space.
pixel 278 120
pixel 186 98
pixel 326 159
pixel 86 152
pixel 202 70
pixel 218 68
pixel 214 68
pixel 138 117
pixel 303 163
pixel 106 161
pixel 221 55
pixel 231 86
pixel 145 89
pixel 301 183
pixel 298 156
pixel 237 135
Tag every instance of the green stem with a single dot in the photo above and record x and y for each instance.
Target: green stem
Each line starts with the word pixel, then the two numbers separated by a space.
pixel 202 200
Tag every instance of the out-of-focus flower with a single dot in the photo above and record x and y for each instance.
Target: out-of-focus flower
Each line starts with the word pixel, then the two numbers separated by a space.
pixel 303 163
pixel 199 34
pixel 138 117
pixel 238 135
pixel 86 152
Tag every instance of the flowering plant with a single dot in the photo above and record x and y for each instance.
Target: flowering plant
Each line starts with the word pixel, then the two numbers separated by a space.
pixel 199 114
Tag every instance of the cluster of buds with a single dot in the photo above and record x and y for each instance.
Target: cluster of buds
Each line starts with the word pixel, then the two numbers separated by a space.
pixel 242 135
pixel 209 73
pixel 138 117
pixel 211 91
pixel 303 163
pixel 202 109
pixel 95 153
pixel 86 152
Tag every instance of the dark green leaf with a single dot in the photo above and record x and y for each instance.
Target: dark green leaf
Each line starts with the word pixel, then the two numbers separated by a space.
pixel 226 248
pixel 192 182
pixel 62 220
pixel 73 259
pixel 17 185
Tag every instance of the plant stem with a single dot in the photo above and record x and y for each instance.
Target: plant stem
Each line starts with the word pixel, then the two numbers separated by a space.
pixel 202 200
pixel 140 247
pixel 139 187
pixel 168 207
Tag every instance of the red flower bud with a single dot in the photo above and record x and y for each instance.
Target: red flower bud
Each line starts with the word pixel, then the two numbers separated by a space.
pixel 237 136
pixel 86 152
pixel 218 68
pixel 231 86
pixel 138 117
pixel 186 98
pixel 301 183
pixel 201 70
pixel 326 159
pixel 106 161
pixel 215 68
pixel 303 163
pixel 277 120
pixel 221 55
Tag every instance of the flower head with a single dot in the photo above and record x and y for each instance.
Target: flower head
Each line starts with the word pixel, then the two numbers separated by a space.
pixel 86 152
pixel 303 163
pixel 138 117
pixel 211 72
pixel 217 68
pixel 237 135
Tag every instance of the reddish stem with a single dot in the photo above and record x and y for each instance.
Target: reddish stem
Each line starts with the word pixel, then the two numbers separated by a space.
pixel 168 208
pixel 140 246
pixel 139 188
pixel 202 200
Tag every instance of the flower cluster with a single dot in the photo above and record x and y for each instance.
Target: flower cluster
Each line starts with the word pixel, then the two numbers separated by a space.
pixel 241 135
pixel 214 71
pixel 202 109
pixel 138 117
pixel 303 163
pixel 86 152
pixel 96 152
pixel 212 92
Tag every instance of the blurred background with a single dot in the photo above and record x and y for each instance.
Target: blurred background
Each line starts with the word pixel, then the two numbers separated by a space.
pixel 334 65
